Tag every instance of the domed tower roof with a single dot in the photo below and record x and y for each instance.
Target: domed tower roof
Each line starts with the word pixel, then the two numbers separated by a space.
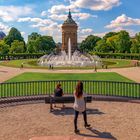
pixel 69 19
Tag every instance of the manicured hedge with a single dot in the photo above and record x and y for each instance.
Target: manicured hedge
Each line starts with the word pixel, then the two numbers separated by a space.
pixel 21 56
pixel 118 55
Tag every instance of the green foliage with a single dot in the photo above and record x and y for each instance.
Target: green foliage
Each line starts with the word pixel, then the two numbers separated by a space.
pixel 123 42
pixel 89 43
pixel 117 55
pixel 4 48
pixel 102 46
pixel 14 34
pixel 110 34
pixel 135 47
pixel 17 47
pixel 37 43
pixel 111 41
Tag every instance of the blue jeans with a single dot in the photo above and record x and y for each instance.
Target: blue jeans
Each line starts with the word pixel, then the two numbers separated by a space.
pixel 76 113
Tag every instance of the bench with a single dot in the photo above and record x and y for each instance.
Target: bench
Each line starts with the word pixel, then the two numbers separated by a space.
pixel 64 99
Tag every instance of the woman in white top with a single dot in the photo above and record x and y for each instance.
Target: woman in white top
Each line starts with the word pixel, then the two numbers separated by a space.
pixel 79 105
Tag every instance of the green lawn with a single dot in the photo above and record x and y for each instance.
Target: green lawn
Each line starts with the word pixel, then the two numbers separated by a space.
pixel 102 76
pixel 32 63
pixel 96 85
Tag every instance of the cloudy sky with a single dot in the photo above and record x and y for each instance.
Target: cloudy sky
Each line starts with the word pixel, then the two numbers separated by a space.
pixel 92 16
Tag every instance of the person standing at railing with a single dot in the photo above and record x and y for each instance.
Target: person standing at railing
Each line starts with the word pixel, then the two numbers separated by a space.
pixel 79 106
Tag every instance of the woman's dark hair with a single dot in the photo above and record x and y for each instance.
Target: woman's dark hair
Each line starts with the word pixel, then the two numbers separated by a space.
pixel 58 85
pixel 79 89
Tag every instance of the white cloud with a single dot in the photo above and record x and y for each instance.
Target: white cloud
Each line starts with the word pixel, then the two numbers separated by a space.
pixel 100 34
pixel 122 21
pixel 40 21
pixel 11 13
pixel 83 16
pixel 4 28
pixel 76 16
pixel 83 33
pixel 22 33
pixel 43 13
pixel 57 9
pixel 96 4
pixel 130 31
pixel 53 30
pixel 58 17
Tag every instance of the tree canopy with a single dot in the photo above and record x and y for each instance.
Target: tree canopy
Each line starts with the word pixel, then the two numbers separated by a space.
pixel 37 43
pixel 89 43
pixel 14 34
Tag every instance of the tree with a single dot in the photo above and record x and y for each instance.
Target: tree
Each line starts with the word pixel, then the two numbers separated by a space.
pixel 108 35
pixel 102 46
pixel 89 43
pixel 4 48
pixel 135 47
pixel 45 44
pixel 37 43
pixel 123 42
pixel 33 36
pixel 14 34
pixel 111 41
pixel 17 47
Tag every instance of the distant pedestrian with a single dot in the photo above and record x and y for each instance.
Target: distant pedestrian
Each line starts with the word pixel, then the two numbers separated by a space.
pixel 21 65
pixel 50 67
pixel 102 66
pixel 95 68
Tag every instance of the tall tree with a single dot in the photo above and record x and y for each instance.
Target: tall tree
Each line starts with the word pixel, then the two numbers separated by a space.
pixel 111 41
pixel 4 48
pixel 135 47
pixel 110 34
pixel 14 34
pixel 45 44
pixel 17 47
pixel 102 46
pixel 37 43
pixel 89 43
pixel 31 44
pixel 123 42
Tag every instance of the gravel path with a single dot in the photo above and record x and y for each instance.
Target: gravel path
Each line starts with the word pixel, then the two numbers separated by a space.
pixel 116 120
pixel 8 72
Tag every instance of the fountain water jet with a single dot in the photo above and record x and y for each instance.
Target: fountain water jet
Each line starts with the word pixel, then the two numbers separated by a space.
pixel 69 49
pixel 77 59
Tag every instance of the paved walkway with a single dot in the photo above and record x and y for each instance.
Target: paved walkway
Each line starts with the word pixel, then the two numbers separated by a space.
pixel 67 138
pixel 132 73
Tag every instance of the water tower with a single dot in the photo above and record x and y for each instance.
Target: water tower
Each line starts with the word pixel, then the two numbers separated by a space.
pixel 69 31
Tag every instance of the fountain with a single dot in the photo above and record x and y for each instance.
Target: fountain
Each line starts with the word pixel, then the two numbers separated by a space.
pixel 73 58
pixel 77 59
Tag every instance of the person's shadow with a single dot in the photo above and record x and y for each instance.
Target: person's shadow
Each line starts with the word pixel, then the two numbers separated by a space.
pixel 70 111
pixel 98 134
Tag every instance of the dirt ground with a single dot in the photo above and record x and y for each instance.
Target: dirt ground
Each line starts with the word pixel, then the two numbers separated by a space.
pixel 116 120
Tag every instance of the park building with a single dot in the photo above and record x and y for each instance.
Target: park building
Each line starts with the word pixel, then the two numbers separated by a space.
pixel 69 30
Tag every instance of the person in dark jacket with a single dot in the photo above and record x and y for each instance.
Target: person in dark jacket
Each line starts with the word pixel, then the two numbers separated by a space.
pixel 58 92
